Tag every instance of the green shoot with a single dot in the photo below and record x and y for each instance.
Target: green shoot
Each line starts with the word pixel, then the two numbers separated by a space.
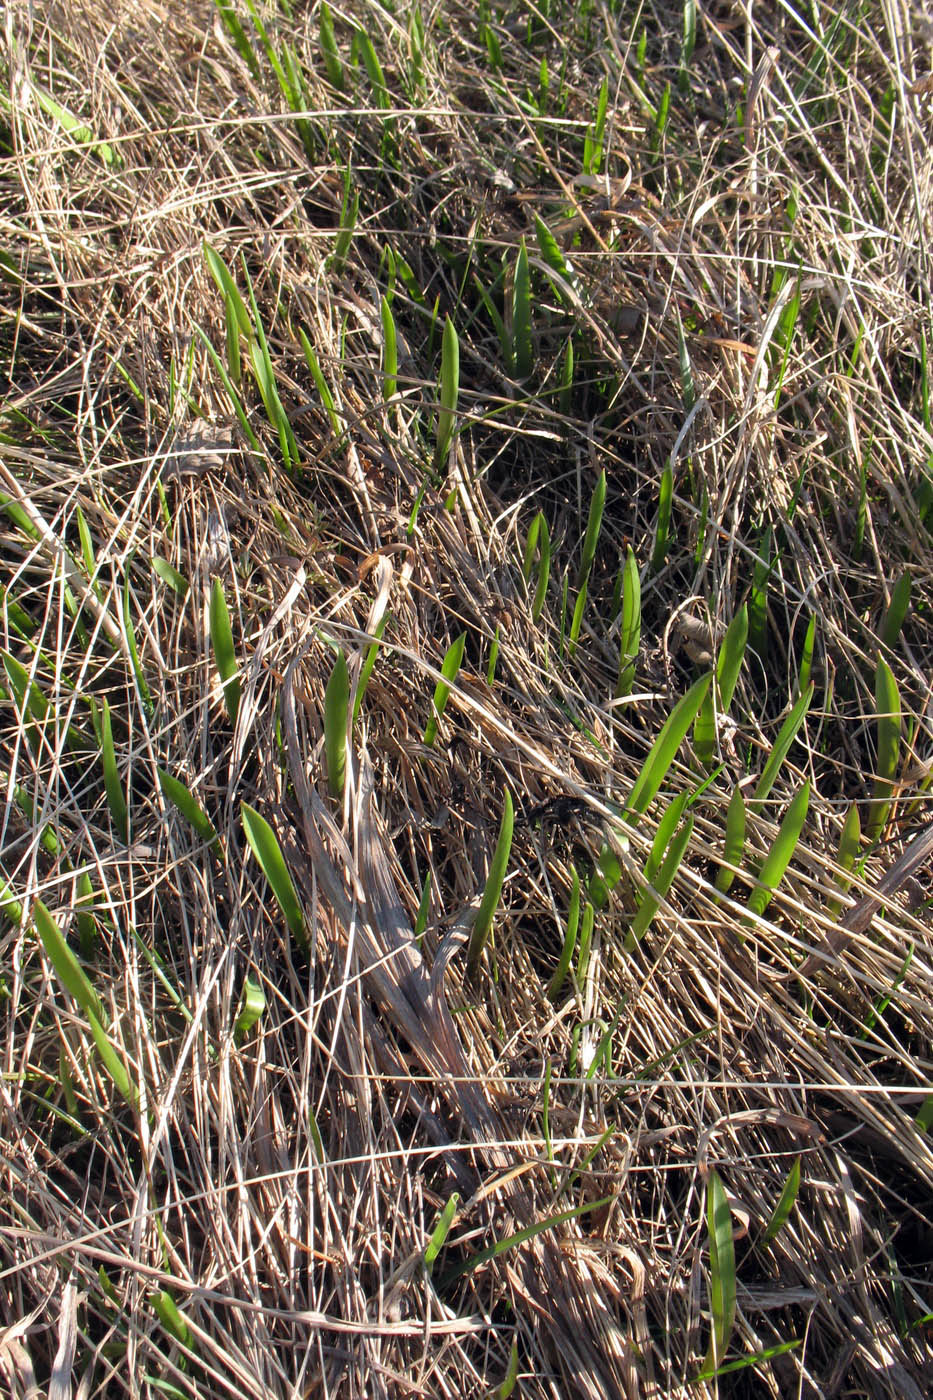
pixel 782 744
pixel 450 667
pixel 369 662
pixel 590 541
pixel 785 1205
pixel 570 940
pixel 734 846
pixel 328 46
pixel 389 351
pixel 224 653
pixel 779 856
pixel 449 392
pixel 116 798
pixel 888 709
pixel 441 1230
pixel 806 659
pixel 522 348
pixel 850 843
pixel 664 749
pixel 482 925
pixel 191 810
pixel 265 847
pixel 252 1005
pixel 662 534
pixel 336 709
pixel 520 1237
pixel 896 611
pixel 659 886
pixel 629 625
pixel 722 1290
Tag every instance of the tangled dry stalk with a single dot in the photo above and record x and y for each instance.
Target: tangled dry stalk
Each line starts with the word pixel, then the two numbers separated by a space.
pixel 746 291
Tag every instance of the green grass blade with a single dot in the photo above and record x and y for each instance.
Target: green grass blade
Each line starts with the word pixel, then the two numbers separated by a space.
pixel 673 731
pixel 170 575
pixel 235 30
pixel 630 625
pixel 228 289
pixel 323 388
pixel 116 798
pixel 570 940
pixel 265 847
pixel 529 1232
pixel 142 685
pixel 585 942
pixel 544 569
pixel 503 1391
pixel 336 711
pixel 369 662
pixel 850 842
pixel 441 1230
pixel 734 846
pixel 896 611
pixel 662 534
pixel 191 810
pixel 232 394
pixel 758 599
pixel 389 351
pixel 327 41
pixel 730 658
pixel 779 856
pixel 522 347
pixel 224 653
pixel 722 1289
pixel 166 1310
pixel 450 667
pixel 553 256
pixel 449 393
pixel 349 213
pixel 252 1006
pixel 785 738
pixel 806 659
pixel 785 1205
pixel 491 894
pixel 65 965
pixel 112 1062
pixel 888 709
pixel 593 526
pixel 652 898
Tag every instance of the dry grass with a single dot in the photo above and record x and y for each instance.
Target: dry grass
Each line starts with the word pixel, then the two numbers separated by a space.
pixel 251 1218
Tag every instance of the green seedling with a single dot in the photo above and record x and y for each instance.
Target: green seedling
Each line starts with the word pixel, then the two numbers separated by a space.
pixel 192 811
pixel 389 351
pixel 734 846
pixel 861 510
pixel 74 127
pixel 687 385
pixel 10 907
pixel 896 611
pixel 595 136
pixel 539 540
pixel 786 1203
pixel 662 534
pixel 850 843
pixel 565 384
pixel 72 978
pixel 116 798
pixel 224 653
pixel 323 388
pixel 629 625
pixel 424 908
pixel 336 710
pixel 565 281
pixel 659 885
pixel 661 119
pixel 232 394
pixel 349 213
pixel 605 877
pixel 265 847
pixel 170 576
pixel 235 30
pixel 264 375
pixel 585 942
pixel 87 549
pixel 252 1006
pixel 369 662
pixel 663 751
pixel 448 393
pixel 782 744
pixel 529 1232
pixel 758 600
pixel 482 925
pixel 228 290
pixel 522 349
pixel 441 1230
pixel 888 709
pixel 806 659
pixel 141 683
pixel 590 541
pixel 778 858
pixel 688 44
pixel 722 1288
pixel 166 1310
pixel 450 668
pixel 493 659
pixel 570 940
pixel 503 1391
pixel 327 42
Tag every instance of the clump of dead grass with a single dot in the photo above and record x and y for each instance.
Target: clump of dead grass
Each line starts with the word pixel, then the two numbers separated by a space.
pixel 750 294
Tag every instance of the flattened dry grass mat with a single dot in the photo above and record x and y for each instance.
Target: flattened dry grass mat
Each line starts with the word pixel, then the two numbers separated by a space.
pixel 466 493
